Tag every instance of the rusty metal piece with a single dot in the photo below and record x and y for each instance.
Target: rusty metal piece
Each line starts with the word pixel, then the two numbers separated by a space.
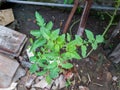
pixel 8 68
pixel 84 17
pixel 76 2
pixel 11 42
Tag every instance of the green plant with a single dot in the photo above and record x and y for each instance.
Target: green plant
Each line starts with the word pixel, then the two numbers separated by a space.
pixel 68 1
pixel 52 51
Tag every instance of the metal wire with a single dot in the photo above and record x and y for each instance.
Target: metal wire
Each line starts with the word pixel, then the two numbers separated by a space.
pixel 60 5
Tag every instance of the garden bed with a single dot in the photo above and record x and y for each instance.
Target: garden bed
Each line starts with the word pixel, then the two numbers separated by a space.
pixel 95 72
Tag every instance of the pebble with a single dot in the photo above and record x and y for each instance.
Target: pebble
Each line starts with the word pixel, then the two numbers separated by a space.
pixel 114 78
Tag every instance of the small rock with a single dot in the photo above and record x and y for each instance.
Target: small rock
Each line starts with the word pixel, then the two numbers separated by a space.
pixel 38 79
pixel 84 79
pixel 42 84
pixel 21 87
pixel 114 78
pixel 77 65
pixel 109 76
pixel 30 81
pixel 19 73
pixel 83 88
pixel 59 83
pixel 25 64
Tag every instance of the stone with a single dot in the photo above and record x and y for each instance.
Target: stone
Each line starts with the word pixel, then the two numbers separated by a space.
pixel 84 79
pixel 24 63
pixel 21 87
pixel 30 81
pixel 6 16
pixel 60 82
pixel 42 84
pixel 108 76
pixel 8 67
pixel 19 73
pixel 115 78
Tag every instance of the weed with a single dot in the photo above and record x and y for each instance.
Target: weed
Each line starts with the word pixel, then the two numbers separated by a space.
pixel 52 51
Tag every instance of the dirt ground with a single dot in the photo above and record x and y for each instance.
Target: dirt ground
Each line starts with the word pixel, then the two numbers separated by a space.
pixel 96 72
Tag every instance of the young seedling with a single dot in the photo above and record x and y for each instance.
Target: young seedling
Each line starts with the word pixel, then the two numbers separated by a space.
pixel 53 51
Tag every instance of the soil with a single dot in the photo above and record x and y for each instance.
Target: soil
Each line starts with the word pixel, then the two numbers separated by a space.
pixel 96 71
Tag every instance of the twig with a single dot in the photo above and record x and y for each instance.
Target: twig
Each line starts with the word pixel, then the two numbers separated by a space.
pixel 89 78
pixel 111 20
pixel 78 76
pixel 98 84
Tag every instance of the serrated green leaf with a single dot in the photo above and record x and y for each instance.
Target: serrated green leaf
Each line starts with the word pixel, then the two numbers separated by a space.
pixel 99 38
pixel 37 44
pixel 33 59
pixel 33 68
pixel 31 40
pixel 61 40
pixel 68 37
pixel 39 19
pixel 57 48
pixel 51 55
pixel 49 25
pixel 55 34
pixel 52 65
pixel 35 33
pixel 54 73
pixel 71 47
pixel 66 55
pixel 41 73
pixel 83 50
pixel 44 33
pixel 79 40
pixel 67 65
pixel 70 55
pixel 48 79
pixel 94 45
pixel 41 63
pixel 89 35
pixel 76 55
pixel 50 45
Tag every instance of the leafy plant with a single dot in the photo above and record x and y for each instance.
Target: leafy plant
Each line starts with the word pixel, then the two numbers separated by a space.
pixel 52 51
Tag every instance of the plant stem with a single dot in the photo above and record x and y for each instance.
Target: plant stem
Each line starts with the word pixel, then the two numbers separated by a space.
pixel 111 20
pixel 73 25
pixel 89 52
pixel 108 26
